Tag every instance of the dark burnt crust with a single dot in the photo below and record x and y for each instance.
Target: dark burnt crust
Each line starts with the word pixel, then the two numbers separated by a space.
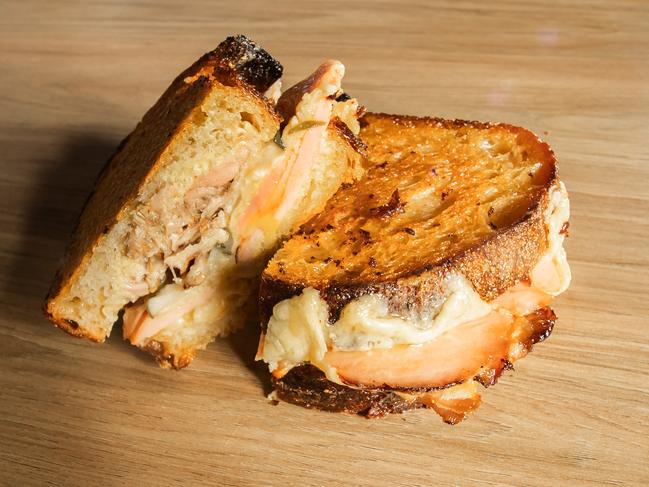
pixel 537 327
pixel 250 63
pixel 137 156
pixel 348 136
pixel 274 291
pixel 307 386
pixel 491 266
pixel 392 207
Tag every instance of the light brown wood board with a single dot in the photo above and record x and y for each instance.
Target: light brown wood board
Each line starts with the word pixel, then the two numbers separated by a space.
pixel 75 77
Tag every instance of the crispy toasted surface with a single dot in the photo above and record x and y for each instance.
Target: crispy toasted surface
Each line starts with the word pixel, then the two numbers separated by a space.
pixel 440 196
pixel 237 63
pixel 307 386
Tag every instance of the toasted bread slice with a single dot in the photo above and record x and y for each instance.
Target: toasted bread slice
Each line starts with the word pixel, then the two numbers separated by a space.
pixel 415 278
pixel 187 133
pixel 164 228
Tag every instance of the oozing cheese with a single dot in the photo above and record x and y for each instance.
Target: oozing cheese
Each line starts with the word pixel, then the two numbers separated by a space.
pixel 298 331
pixel 556 215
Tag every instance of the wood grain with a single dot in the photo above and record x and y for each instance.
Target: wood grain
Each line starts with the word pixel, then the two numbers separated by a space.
pixel 76 76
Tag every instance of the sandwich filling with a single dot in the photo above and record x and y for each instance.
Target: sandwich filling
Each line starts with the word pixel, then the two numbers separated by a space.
pixel 231 217
pixel 370 347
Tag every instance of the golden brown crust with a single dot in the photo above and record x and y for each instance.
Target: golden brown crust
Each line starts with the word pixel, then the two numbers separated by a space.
pixel 235 62
pixel 345 133
pixel 168 358
pixel 492 263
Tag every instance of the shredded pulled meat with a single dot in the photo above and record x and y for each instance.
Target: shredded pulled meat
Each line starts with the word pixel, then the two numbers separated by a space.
pixel 176 237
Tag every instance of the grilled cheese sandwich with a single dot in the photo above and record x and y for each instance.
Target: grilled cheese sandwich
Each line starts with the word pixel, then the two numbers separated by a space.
pixel 458 316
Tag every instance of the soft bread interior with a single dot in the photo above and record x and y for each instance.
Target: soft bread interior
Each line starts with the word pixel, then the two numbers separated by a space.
pixel 233 286
pixel 136 256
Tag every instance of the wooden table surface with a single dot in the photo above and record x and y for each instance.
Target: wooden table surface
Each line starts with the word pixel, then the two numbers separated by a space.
pixel 76 76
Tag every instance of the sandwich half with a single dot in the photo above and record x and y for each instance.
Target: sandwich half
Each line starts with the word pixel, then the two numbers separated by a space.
pixel 185 214
pixel 432 274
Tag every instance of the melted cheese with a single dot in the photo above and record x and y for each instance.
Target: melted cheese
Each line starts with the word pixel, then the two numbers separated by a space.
pixel 556 215
pixel 297 333
pixel 366 323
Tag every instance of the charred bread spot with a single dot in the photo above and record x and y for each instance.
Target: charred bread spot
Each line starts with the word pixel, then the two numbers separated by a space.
pixel 541 323
pixel 252 64
pixel 166 358
pixel 365 236
pixel 392 207
pixel 565 229
pixel 346 134
pixel 307 386
pixel 73 324
pixel 73 328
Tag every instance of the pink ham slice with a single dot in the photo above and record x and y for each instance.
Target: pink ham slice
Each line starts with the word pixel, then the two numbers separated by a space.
pixel 283 186
pixel 139 325
pixel 457 355
pixel 522 299
pixel 453 357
